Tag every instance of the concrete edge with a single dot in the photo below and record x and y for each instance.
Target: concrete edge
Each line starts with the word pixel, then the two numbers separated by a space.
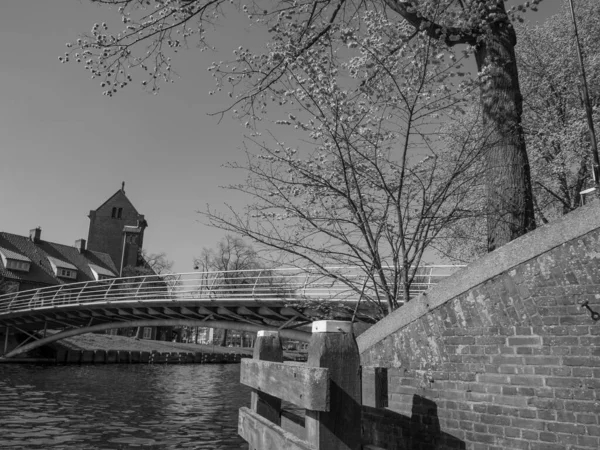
pixel 572 226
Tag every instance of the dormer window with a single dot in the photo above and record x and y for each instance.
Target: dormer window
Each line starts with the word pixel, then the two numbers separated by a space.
pixel 63 269
pixel 17 265
pixel 66 273
pixel 100 273
pixel 14 261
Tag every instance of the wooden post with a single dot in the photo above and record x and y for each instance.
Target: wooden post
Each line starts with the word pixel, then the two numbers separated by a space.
pixel 375 387
pixel 333 346
pixel 267 348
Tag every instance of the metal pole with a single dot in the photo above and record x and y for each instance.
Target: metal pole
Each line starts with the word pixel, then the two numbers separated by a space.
pixel 588 106
pixel 6 340
pixel 123 253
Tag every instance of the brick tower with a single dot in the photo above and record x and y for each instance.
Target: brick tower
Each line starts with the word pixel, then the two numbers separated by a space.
pixel 117 228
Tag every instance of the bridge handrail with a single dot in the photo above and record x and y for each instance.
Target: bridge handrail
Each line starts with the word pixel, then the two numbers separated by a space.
pixel 286 284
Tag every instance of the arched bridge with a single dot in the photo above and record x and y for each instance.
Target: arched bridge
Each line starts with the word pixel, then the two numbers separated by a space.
pixel 247 300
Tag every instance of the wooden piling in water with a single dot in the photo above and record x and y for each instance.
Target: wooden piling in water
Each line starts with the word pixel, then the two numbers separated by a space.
pixel 267 348
pixel 328 386
pixel 333 346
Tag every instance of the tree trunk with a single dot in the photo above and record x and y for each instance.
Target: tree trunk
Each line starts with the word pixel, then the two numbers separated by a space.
pixel 509 194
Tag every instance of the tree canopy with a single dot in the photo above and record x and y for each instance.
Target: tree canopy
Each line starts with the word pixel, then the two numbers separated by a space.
pixel 343 70
pixel 554 119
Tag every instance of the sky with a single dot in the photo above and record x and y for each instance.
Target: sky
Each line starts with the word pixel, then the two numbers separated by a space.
pixel 65 148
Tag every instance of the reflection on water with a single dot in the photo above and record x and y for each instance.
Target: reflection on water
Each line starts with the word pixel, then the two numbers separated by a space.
pixel 121 407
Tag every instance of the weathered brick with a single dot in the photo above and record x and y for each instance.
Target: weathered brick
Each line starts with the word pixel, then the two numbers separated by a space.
pixel 530 435
pixel 581 361
pixel 564 382
pixel 547 415
pixel 560 340
pixel 587 441
pixel 525 340
pixel 523 380
pixel 529 424
pixel 545 446
pixel 587 419
pixel 543 403
pixel 570 428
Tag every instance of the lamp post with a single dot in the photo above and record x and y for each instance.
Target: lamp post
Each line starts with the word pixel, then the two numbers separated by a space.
pixel 588 106
pixel 123 253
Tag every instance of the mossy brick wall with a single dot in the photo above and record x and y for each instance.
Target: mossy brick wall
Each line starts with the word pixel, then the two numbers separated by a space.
pixel 501 355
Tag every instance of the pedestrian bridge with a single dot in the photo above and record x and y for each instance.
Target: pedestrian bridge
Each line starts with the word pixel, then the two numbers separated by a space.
pixel 247 300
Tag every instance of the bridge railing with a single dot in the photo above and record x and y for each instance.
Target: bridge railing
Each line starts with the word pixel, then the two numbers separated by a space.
pixel 235 286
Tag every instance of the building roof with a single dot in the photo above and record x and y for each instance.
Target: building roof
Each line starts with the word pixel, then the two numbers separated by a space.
pixel 40 254
pixel 102 271
pixel 62 264
pixel 120 193
pixel 8 254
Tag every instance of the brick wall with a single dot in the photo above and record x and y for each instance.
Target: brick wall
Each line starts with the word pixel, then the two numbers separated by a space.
pixel 500 355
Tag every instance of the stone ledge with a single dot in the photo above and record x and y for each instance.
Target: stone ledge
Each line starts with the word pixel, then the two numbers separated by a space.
pixel 572 226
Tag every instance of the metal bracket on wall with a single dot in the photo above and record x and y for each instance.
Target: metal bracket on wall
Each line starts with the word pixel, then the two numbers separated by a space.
pixel 595 315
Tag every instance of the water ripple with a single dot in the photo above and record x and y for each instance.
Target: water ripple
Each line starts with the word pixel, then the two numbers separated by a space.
pixel 121 407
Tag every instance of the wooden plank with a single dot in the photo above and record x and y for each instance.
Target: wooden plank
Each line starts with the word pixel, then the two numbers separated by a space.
pixel 262 434
pixel 267 348
pixel 306 387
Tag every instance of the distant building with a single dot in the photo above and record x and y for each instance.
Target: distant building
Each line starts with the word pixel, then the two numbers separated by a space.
pixel 29 262
pixel 117 228
pixel 115 240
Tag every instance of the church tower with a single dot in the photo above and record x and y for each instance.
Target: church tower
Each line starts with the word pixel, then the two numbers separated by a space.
pixel 117 228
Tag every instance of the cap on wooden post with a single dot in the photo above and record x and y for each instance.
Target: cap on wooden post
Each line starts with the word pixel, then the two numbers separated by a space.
pixel 332 326
pixel 267 347
pixel 333 346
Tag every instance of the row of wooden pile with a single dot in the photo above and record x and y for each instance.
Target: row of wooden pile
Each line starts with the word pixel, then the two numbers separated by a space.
pixel 140 357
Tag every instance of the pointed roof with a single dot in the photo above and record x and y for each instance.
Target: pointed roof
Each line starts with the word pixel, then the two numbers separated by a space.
pixel 119 194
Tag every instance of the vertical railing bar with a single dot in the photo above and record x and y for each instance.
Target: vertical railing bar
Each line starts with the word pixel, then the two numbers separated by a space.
pixel 81 292
pixel 255 283
pixel 114 280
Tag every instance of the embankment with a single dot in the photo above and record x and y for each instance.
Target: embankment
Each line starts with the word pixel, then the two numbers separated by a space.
pixel 502 355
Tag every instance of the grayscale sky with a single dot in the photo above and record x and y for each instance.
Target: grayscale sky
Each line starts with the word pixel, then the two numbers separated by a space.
pixel 65 148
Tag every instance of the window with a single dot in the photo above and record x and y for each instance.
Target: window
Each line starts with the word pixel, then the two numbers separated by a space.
pixel 119 213
pixel 66 273
pixel 17 265
pixel 114 213
pixel 147 332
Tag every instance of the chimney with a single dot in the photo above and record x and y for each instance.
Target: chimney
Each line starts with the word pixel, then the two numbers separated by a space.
pixel 80 245
pixel 35 234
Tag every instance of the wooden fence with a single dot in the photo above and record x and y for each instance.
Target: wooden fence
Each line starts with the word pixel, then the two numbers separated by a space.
pixel 327 387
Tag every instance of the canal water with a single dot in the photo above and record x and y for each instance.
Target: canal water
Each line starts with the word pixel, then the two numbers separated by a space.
pixel 121 407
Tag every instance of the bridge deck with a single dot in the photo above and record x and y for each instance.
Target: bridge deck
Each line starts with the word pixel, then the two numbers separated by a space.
pixel 250 300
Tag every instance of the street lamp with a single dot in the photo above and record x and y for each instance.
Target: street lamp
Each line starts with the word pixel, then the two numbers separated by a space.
pixel 588 109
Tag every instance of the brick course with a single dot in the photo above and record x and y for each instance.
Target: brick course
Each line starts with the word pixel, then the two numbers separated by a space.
pixel 511 362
